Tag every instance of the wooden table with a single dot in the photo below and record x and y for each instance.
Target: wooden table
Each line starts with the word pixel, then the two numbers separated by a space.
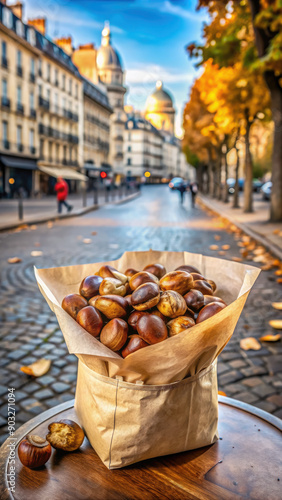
pixel 245 463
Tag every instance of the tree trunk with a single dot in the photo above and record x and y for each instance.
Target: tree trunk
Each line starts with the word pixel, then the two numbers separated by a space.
pixel 236 192
pixel 226 193
pixel 248 186
pixel 214 176
pixel 276 106
pixel 219 193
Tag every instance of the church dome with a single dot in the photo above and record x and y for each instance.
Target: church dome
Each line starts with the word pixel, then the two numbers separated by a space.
pixel 159 100
pixel 107 56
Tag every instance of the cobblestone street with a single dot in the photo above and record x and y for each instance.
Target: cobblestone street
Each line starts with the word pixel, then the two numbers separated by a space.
pixel 156 220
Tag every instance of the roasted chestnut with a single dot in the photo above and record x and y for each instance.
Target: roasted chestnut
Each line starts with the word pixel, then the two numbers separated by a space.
pixel 90 319
pixel 73 303
pixel 112 306
pixel 209 310
pixel 188 269
pixel 179 281
pixel 114 334
pixel 179 324
pixel 141 278
pixel 212 283
pixel 135 343
pixel 197 276
pixel 92 301
pixel 151 328
pixel 145 296
pixel 111 272
pixel 212 298
pixel 112 286
pixel 203 286
pixel 172 304
pixel 158 313
pixel 90 286
pixel 130 272
pixel 34 451
pixel 134 317
pixel 156 269
pixel 128 299
pixel 194 300
pixel 65 435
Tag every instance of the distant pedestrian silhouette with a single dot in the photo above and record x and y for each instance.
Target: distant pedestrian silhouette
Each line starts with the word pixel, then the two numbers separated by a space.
pixel 62 190
pixel 194 190
pixel 181 190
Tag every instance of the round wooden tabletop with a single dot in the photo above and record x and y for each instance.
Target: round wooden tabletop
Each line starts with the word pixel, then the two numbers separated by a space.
pixel 245 463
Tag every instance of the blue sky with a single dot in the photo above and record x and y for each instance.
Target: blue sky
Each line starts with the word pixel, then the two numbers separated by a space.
pixel 150 36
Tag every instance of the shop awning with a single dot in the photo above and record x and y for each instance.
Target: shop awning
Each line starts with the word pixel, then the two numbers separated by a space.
pixel 64 172
pixel 14 162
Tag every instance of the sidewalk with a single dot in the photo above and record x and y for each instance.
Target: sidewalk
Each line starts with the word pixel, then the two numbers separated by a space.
pixel 255 224
pixel 36 210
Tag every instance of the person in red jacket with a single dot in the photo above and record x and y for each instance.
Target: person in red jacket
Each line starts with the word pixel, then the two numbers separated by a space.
pixel 62 191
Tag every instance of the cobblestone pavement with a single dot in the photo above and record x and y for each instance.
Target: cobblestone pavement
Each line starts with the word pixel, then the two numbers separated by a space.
pixel 155 220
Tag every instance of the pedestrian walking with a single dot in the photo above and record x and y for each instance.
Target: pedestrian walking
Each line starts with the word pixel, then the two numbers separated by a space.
pixel 194 190
pixel 182 189
pixel 62 190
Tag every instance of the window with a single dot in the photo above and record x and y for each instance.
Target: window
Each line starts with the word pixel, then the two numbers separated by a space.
pixel 19 59
pixel 129 148
pixel 56 102
pixel 129 136
pixel 48 94
pixel 19 28
pixel 40 90
pixel 4 88
pixel 64 82
pixel 31 101
pixel 40 67
pixel 128 161
pixel 31 141
pixel 70 86
pixel 76 90
pixel 48 72
pixel 50 150
pixel 7 17
pixel 70 153
pixel 19 135
pixel 65 154
pixel 56 77
pixel 64 103
pixel 5 134
pixel 31 36
pixel 19 94
pixel 4 54
pixel 41 148
pixel 57 153
pixel 32 67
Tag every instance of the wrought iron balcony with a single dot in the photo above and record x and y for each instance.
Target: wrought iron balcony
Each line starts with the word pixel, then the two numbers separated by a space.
pixel 43 103
pixel 19 71
pixel 4 62
pixel 5 102
pixel 20 108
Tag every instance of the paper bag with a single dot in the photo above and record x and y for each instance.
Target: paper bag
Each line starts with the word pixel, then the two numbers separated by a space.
pixel 161 399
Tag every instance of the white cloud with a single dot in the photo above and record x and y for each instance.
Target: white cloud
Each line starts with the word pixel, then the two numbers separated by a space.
pixel 148 74
pixel 177 10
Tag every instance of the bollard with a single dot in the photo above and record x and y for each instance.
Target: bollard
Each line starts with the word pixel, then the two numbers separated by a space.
pixel 120 191
pixel 95 196
pixel 20 208
pixel 113 193
pixel 106 195
pixel 84 197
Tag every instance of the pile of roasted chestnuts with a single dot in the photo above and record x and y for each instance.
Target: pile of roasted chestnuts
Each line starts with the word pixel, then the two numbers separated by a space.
pixel 34 451
pixel 131 310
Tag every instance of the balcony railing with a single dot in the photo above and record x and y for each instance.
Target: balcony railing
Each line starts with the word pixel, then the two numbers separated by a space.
pixel 5 144
pixel 118 138
pixel 32 113
pixel 4 62
pixel 43 103
pixel 32 150
pixel 40 72
pixel 32 77
pixel 16 148
pixel 20 148
pixel 56 134
pixel 5 102
pixel 19 71
pixel 20 108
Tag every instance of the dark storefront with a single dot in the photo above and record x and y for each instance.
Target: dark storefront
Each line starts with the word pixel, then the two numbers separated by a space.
pixel 16 176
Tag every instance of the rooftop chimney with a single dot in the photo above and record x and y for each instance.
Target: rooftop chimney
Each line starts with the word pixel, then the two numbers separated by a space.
pixel 39 24
pixel 65 43
pixel 17 9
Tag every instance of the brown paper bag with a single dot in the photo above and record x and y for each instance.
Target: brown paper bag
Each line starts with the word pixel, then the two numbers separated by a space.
pixel 178 375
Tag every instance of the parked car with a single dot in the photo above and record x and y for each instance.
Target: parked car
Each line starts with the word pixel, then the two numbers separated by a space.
pixel 266 190
pixel 257 184
pixel 176 182
pixel 231 185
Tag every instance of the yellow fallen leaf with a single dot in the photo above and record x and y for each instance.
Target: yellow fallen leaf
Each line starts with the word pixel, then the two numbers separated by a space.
pixel 277 305
pixel 14 260
pixel 49 224
pixel 270 338
pixel 276 231
pixel 87 240
pixel 251 247
pixel 36 253
pixel 277 263
pixel 259 251
pixel 217 237
pixel 237 259
pixel 225 247
pixel 94 232
pixel 38 368
pixel 221 393
pixel 276 323
pixel 37 244
pixel 246 238
pixel 221 252
pixel 266 267
pixel 240 244
pixel 279 280
pixel 250 343
pixel 213 247
pixel 33 227
pixel 278 272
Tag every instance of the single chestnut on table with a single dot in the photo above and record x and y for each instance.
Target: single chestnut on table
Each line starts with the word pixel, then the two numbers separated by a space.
pixel 111 272
pixel 34 451
pixel 209 310
pixel 145 296
pixel 179 281
pixel 90 319
pixel 194 299
pixel 188 269
pixel 152 329
pixel 179 324
pixel 157 269
pixel 134 344
pixel 112 286
pixel 112 306
pixel 203 286
pixel 72 304
pixel 65 435
pixel 141 278
pixel 114 334
pixel 172 304
pixel 90 286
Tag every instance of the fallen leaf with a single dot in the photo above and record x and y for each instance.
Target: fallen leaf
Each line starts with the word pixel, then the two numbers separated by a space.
pixel 237 259
pixel 225 247
pixel 276 323
pixel 251 247
pixel 259 258
pixel 280 233
pixel 38 368
pixel 246 238
pixel 270 338
pixel 36 253
pixel 250 343
pixel 279 280
pixel 14 260
pixel 213 247
pixel 240 244
pixel 277 263
pixel 22 227
pixel 277 305
pixel 276 231
pixel 221 252
pixel 221 393
pixel 37 244
pixel 87 240
pixel 259 251
pixel 49 224
pixel 33 227
pixel 217 237
pixel 266 267
pixel 278 272
pixel 93 233
pixel 244 252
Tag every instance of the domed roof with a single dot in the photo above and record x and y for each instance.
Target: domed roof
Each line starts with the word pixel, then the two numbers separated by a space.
pixel 159 100
pixel 107 56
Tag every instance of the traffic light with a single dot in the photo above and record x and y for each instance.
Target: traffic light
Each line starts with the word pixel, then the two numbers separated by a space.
pixel 103 175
